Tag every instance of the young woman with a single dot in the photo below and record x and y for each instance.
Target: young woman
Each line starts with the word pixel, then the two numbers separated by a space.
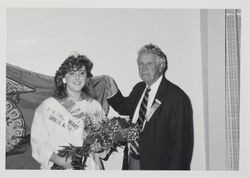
pixel 59 120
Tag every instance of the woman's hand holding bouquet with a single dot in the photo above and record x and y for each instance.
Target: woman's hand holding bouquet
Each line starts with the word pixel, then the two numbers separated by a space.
pixel 104 135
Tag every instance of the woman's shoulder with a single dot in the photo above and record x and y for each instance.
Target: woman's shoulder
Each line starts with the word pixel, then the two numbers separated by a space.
pixel 46 102
pixel 92 105
pixel 92 101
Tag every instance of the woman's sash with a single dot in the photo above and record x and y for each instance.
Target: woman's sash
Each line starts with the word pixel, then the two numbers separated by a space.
pixel 58 114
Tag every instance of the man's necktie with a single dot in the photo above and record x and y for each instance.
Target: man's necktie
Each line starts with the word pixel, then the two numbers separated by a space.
pixel 134 146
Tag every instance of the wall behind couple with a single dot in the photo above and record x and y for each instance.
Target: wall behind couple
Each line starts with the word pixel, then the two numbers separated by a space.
pixel 40 39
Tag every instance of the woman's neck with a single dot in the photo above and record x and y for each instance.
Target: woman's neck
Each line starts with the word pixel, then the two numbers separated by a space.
pixel 76 96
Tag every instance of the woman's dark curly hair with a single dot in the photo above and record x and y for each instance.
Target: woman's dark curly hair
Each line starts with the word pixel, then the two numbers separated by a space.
pixel 73 62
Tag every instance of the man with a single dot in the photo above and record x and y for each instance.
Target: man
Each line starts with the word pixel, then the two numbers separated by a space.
pixel 164 112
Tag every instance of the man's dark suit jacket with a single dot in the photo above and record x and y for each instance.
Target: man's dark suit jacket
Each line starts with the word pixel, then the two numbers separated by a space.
pixel 167 139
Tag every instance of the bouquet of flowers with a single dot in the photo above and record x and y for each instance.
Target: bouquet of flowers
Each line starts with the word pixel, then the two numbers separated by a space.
pixel 110 133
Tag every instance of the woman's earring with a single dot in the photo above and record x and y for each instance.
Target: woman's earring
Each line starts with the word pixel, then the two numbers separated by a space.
pixel 64 80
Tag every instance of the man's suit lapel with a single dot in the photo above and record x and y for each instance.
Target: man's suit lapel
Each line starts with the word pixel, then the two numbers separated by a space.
pixel 161 93
pixel 159 98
